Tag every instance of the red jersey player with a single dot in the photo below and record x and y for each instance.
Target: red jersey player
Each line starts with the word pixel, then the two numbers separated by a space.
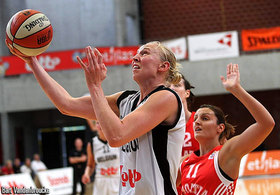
pixel 214 168
pixel 183 89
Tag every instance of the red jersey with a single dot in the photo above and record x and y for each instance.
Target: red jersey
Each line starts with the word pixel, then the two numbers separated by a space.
pixel 201 175
pixel 190 143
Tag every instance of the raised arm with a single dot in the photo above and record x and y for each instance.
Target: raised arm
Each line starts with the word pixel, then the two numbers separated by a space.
pixel 160 106
pixel 64 102
pixel 235 148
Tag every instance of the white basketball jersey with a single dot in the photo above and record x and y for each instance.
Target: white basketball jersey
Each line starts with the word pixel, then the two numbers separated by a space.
pixel 106 158
pixel 149 164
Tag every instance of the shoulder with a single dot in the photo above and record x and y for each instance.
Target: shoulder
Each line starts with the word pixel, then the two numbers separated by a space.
pixel 162 100
pixel 166 94
pixel 124 95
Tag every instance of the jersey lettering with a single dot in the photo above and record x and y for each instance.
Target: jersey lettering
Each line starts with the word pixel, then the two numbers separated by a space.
pixel 132 146
pixel 131 175
pixel 195 167
pixel 187 142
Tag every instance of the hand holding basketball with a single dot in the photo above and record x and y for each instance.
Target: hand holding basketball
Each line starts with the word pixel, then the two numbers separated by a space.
pixel 29 33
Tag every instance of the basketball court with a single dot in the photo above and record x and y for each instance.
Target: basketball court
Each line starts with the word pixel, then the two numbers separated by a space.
pixel 258 185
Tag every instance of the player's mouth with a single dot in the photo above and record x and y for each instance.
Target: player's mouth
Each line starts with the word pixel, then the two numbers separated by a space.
pixel 135 66
pixel 197 129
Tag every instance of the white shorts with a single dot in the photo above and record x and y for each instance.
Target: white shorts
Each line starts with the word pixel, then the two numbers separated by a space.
pixel 106 186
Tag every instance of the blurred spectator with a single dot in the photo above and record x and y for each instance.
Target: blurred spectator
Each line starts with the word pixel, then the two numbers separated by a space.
pixel 8 168
pixel 37 165
pixel 26 167
pixel 78 158
pixel 16 165
pixel 105 161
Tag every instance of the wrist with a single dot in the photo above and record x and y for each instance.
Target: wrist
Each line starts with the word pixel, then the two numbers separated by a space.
pixel 236 90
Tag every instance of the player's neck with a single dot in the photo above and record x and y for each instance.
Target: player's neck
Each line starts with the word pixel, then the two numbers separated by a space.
pixel 207 147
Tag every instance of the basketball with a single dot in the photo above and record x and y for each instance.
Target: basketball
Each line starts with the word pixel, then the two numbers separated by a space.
pixel 29 32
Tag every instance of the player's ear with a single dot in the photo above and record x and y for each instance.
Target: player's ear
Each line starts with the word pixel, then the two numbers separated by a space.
pixel 221 127
pixel 187 93
pixel 164 66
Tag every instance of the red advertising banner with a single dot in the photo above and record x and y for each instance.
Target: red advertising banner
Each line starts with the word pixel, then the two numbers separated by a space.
pixel 66 60
pixel 261 39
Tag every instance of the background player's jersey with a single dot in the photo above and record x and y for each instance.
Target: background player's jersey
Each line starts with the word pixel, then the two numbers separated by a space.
pixel 106 158
pixel 201 175
pixel 149 164
pixel 190 143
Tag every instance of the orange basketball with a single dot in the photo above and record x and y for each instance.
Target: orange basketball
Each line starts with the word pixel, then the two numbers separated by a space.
pixel 29 32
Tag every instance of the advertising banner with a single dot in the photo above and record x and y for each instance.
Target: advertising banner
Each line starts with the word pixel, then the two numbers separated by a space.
pixel 178 47
pixel 66 60
pixel 213 46
pixel 58 181
pixel 21 183
pixel 260 39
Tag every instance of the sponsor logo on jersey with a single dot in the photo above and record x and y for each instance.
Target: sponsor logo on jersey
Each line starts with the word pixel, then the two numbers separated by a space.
pixel 130 177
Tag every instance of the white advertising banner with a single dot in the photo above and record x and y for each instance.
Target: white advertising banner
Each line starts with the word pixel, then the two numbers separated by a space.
pixel 58 181
pixel 213 46
pixel 21 183
pixel 178 46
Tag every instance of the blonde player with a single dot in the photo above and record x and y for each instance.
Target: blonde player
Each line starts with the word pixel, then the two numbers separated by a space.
pixel 148 125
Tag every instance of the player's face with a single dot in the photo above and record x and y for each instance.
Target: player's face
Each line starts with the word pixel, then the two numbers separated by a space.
pixel 205 124
pixel 180 89
pixel 146 62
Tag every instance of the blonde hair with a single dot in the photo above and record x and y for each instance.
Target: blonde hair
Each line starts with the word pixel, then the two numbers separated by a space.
pixel 173 76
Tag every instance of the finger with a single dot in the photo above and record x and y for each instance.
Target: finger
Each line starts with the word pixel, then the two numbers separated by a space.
pixel 89 57
pixel 234 68
pixel 94 58
pixel 88 54
pixel 81 62
pixel 228 69
pixel 99 56
pixel 222 79
pixel 237 70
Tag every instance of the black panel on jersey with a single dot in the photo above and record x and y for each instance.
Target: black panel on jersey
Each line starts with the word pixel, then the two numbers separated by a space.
pixel 160 136
pixel 124 95
pixel 179 107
